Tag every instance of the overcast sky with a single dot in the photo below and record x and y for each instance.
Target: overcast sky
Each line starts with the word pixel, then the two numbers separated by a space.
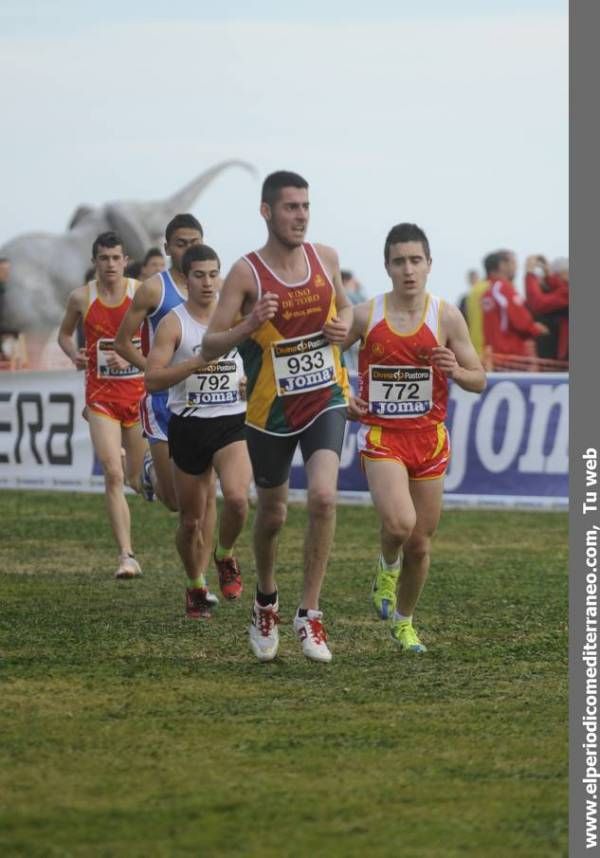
pixel 452 115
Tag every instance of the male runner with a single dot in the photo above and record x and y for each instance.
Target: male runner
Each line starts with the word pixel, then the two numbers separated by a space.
pixel 206 427
pixel 296 314
pixel 113 386
pixel 153 262
pixel 153 300
pixel 411 344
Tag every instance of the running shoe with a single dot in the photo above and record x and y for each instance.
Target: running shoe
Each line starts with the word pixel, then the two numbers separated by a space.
pixel 128 567
pixel 210 597
pixel 197 605
pixel 264 634
pixel 230 577
pixel 146 477
pixel 406 637
pixel 312 636
pixel 383 591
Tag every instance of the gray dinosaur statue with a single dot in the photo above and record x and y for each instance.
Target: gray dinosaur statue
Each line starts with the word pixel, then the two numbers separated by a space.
pixel 46 267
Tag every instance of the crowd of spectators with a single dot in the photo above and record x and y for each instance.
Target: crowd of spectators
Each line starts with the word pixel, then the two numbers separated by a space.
pixel 512 330
pixel 12 342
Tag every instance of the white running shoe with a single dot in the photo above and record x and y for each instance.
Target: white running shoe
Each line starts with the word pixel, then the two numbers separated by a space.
pixel 212 600
pixel 312 636
pixel 128 567
pixel 264 634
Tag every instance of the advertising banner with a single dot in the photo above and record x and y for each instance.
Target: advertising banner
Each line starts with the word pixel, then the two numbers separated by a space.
pixel 509 445
pixel 44 440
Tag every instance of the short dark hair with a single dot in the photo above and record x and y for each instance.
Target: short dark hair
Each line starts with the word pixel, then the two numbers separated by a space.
pixel 154 251
pixel 492 261
pixel 133 269
pixel 403 232
pixel 107 239
pixel 198 253
pixel 346 275
pixel 182 221
pixel 275 182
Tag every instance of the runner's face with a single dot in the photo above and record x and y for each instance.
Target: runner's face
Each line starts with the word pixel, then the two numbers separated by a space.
pixel 154 265
pixel 287 218
pixel 110 264
pixel 408 267
pixel 203 282
pixel 179 242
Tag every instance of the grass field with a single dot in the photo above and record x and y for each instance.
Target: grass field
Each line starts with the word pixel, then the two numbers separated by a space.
pixel 127 730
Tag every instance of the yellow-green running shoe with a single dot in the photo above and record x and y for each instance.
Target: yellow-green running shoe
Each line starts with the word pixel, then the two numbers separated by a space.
pixel 383 591
pixel 406 637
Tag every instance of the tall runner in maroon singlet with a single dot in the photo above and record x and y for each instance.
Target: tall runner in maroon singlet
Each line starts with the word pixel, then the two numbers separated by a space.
pixel 295 315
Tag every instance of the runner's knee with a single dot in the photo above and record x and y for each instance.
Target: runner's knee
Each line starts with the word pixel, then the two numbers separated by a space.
pixel 418 547
pixel 399 525
pixel 113 474
pixel 321 501
pixel 271 517
pixel 189 525
pixel 236 502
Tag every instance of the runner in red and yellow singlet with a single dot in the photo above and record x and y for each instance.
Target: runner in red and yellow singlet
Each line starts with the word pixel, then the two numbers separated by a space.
pixel 112 390
pixel 295 315
pixel 113 387
pixel 411 344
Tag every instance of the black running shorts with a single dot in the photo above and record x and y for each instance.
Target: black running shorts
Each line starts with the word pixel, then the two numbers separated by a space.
pixel 271 455
pixel 193 441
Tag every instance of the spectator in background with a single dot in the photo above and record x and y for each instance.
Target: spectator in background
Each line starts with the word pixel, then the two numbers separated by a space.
pixel 353 287
pixel 472 278
pixel 153 262
pixel 508 326
pixel 4 275
pixel 133 270
pixel 470 307
pixel 547 296
pixel 355 294
pixel 12 342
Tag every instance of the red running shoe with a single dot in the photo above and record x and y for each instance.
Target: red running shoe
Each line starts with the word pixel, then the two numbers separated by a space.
pixel 230 577
pixel 197 607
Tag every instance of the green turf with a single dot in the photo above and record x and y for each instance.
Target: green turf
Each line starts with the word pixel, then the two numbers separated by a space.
pixel 127 730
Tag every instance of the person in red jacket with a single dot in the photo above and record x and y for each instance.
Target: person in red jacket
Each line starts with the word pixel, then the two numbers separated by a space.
pixel 508 326
pixel 547 296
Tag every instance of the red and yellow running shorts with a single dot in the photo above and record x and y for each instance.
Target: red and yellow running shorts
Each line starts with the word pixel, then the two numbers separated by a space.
pixel 125 413
pixel 424 452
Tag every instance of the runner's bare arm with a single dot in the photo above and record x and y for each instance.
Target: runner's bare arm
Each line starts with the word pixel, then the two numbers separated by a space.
pixel 238 293
pixel 73 313
pixel 357 407
pixel 336 329
pixel 458 358
pixel 145 300
pixel 159 375
pixel 358 326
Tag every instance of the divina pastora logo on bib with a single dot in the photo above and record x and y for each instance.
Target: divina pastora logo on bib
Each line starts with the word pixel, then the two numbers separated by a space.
pixel 303 364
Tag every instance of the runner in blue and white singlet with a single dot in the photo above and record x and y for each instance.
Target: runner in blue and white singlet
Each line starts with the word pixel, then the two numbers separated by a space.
pixel 154 411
